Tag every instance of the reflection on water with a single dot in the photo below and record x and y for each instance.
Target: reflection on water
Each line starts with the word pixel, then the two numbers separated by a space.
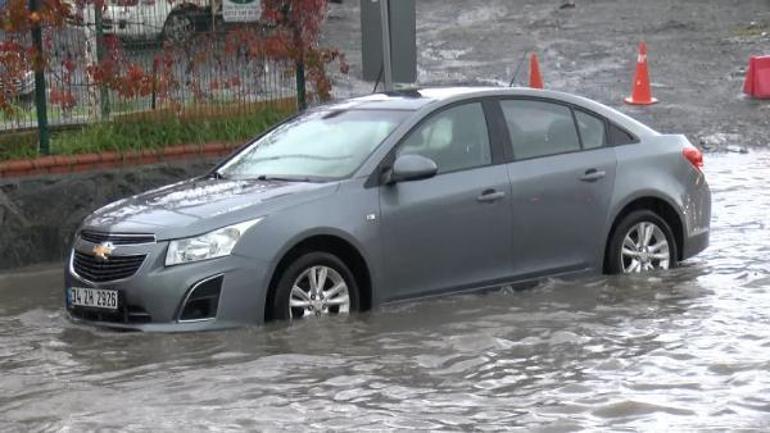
pixel 685 350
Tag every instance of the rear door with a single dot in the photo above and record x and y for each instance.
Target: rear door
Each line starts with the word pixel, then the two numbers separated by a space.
pixel 562 177
pixel 451 231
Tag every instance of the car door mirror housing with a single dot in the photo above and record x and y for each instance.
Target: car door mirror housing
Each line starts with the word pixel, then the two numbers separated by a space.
pixel 411 167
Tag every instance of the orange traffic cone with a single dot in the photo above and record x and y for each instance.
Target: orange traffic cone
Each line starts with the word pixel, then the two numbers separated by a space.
pixel 641 93
pixel 535 80
pixel 757 83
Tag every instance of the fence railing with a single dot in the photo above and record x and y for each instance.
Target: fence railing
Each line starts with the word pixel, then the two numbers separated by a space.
pixel 169 56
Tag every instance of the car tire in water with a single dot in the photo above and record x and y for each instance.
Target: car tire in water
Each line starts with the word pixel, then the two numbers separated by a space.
pixel 315 284
pixel 641 242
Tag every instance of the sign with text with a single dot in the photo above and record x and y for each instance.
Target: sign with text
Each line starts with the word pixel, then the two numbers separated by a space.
pixel 241 11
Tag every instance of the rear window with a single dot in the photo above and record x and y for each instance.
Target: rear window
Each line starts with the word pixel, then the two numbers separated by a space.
pixel 539 128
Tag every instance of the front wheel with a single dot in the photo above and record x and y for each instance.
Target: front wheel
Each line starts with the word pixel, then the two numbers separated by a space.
pixel 316 284
pixel 642 242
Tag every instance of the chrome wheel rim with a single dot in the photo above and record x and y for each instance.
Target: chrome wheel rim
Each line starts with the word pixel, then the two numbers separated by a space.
pixel 318 291
pixel 179 27
pixel 645 248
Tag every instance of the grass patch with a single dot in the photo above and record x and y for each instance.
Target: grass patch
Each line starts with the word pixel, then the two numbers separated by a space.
pixel 160 130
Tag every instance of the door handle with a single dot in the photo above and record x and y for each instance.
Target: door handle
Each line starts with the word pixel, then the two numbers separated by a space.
pixel 490 195
pixel 593 175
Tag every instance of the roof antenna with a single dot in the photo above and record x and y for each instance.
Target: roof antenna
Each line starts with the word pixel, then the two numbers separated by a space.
pixel 379 77
pixel 518 69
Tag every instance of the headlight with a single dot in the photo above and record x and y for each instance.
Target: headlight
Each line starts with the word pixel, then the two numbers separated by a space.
pixel 211 245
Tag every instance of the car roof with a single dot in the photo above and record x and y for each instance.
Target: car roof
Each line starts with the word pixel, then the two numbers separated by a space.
pixel 415 99
pixel 408 99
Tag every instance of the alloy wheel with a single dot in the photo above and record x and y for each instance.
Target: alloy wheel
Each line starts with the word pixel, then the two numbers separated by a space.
pixel 645 248
pixel 179 27
pixel 318 290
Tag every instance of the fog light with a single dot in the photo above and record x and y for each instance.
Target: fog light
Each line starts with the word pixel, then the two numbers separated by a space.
pixel 202 300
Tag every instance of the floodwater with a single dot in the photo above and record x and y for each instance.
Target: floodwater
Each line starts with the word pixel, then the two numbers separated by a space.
pixel 684 350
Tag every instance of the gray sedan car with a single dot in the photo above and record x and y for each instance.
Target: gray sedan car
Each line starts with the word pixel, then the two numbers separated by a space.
pixel 393 196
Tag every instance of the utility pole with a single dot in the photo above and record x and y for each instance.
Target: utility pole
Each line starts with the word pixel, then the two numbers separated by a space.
pixel 104 95
pixel 91 56
pixel 387 65
pixel 389 42
pixel 40 99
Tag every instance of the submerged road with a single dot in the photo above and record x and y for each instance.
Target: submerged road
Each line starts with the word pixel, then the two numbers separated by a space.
pixel 683 350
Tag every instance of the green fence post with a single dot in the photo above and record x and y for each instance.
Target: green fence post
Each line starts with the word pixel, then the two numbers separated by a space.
pixel 40 97
pixel 301 100
pixel 104 95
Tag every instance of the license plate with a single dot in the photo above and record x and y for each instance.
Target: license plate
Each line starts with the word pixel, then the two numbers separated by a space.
pixel 95 298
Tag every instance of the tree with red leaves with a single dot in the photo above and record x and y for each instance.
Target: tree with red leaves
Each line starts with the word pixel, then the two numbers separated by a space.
pixel 17 54
pixel 292 34
pixel 296 36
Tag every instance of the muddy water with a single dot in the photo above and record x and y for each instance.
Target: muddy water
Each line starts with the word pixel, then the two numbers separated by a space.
pixel 681 351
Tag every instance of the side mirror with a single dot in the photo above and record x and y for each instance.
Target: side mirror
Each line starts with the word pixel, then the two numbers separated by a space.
pixel 411 167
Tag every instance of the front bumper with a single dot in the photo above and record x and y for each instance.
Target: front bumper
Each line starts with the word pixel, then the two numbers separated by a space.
pixel 155 297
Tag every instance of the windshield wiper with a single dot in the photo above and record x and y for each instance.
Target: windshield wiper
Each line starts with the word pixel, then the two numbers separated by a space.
pixel 266 177
pixel 216 175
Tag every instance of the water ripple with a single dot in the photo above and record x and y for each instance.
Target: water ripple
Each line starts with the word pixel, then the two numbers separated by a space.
pixel 681 351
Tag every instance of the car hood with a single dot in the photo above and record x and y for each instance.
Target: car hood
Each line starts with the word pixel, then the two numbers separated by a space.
pixel 200 205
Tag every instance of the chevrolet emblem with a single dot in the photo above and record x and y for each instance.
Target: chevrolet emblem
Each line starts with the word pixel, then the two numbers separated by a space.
pixel 103 250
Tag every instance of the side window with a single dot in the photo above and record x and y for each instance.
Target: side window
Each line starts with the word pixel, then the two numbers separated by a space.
pixel 591 130
pixel 539 128
pixel 618 136
pixel 455 139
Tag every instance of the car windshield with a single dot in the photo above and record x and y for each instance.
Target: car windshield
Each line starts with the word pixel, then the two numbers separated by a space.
pixel 318 145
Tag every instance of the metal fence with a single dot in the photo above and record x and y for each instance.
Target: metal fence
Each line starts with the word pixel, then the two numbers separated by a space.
pixel 173 56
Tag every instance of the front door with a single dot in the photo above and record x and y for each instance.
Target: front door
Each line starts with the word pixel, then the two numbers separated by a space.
pixel 451 231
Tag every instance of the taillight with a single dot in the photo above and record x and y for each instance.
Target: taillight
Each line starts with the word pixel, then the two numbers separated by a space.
pixel 694 155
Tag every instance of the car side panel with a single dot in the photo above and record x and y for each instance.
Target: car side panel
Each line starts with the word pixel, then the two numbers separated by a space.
pixel 351 213
pixel 656 168
pixel 437 236
pixel 557 217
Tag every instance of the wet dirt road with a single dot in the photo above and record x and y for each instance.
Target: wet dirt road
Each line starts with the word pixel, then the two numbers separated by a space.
pixel 679 351
pixel 699 50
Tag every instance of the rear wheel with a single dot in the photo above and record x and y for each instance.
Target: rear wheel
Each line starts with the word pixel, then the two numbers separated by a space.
pixel 180 26
pixel 316 284
pixel 642 242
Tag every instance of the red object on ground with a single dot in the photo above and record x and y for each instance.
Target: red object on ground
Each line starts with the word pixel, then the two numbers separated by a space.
pixel 535 80
pixel 641 93
pixel 757 83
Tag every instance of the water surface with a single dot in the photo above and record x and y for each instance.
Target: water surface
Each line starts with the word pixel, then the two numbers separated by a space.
pixel 684 350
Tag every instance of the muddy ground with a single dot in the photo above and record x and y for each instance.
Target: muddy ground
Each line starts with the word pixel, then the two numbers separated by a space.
pixel 699 52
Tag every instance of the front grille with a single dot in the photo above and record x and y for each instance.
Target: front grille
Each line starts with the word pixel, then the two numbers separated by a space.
pixel 100 271
pixel 117 238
